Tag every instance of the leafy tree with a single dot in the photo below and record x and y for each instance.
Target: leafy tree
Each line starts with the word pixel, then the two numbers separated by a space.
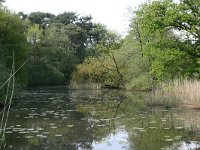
pixel 12 39
pixel 106 67
pixel 34 34
pixel 2 1
pixel 65 40
pixel 66 18
pixel 161 44
pixel 62 51
pixel 41 18
pixel 41 74
pixel 82 32
pixel 98 33
pixel 22 15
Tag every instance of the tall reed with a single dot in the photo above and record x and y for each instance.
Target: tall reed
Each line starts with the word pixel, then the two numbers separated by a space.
pixel 86 86
pixel 178 92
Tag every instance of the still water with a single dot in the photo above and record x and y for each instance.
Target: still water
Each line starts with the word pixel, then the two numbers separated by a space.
pixel 61 119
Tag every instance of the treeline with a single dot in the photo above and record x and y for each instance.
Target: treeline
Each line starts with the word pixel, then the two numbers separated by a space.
pixel 57 44
pixel 53 44
pixel 162 44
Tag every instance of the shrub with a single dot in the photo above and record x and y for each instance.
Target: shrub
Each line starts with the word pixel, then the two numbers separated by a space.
pixel 44 74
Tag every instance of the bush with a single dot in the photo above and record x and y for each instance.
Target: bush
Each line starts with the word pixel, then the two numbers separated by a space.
pixel 90 70
pixel 42 74
pixel 142 82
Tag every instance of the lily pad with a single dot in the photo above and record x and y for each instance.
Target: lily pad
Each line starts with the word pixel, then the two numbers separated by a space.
pixel 58 135
pixel 169 140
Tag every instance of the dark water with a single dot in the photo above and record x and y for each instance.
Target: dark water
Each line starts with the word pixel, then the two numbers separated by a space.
pixel 60 119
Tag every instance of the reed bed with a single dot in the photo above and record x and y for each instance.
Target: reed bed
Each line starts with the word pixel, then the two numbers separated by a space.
pixel 178 92
pixel 85 86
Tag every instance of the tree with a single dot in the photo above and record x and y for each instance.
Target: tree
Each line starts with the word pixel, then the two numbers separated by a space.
pixel 2 1
pixel 66 18
pixel 41 18
pixel 65 40
pixel 34 34
pixel 22 15
pixel 106 66
pixel 80 31
pixel 13 51
pixel 166 15
pixel 12 39
pixel 164 48
pixel 44 74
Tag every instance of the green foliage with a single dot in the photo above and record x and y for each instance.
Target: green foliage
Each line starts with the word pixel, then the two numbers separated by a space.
pixel 137 65
pixel 34 34
pixel 40 18
pixel 64 42
pixel 141 83
pixel 157 28
pixel 12 39
pixel 59 50
pixel 90 70
pixel 163 43
pixel 153 51
pixel 66 18
pixel 107 67
pixel 2 1
pixel 42 74
pixel 117 64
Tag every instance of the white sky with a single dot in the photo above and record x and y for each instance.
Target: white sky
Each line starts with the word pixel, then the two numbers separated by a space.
pixel 112 13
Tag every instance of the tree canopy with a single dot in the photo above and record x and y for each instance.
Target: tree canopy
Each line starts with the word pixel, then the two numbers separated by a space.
pixel 163 43
pixel 164 38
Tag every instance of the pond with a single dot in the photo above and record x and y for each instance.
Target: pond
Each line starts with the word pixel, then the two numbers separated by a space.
pixel 58 119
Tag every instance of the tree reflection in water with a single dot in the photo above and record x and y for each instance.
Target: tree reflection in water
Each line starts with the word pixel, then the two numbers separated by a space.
pixel 91 119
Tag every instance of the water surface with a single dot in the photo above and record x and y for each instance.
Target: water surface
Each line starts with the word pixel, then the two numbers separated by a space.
pixel 59 119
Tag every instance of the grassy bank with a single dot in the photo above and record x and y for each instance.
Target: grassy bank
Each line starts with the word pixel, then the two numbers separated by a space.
pixel 181 92
pixel 174 93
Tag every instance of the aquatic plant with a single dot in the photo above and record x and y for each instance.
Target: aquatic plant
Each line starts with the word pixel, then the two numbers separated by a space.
pixel 178 92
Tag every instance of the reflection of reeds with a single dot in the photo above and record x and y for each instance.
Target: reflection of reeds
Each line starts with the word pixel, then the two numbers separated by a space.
pixel 180 91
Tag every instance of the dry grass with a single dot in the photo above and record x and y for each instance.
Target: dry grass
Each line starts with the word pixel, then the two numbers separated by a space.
pixel 178 92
